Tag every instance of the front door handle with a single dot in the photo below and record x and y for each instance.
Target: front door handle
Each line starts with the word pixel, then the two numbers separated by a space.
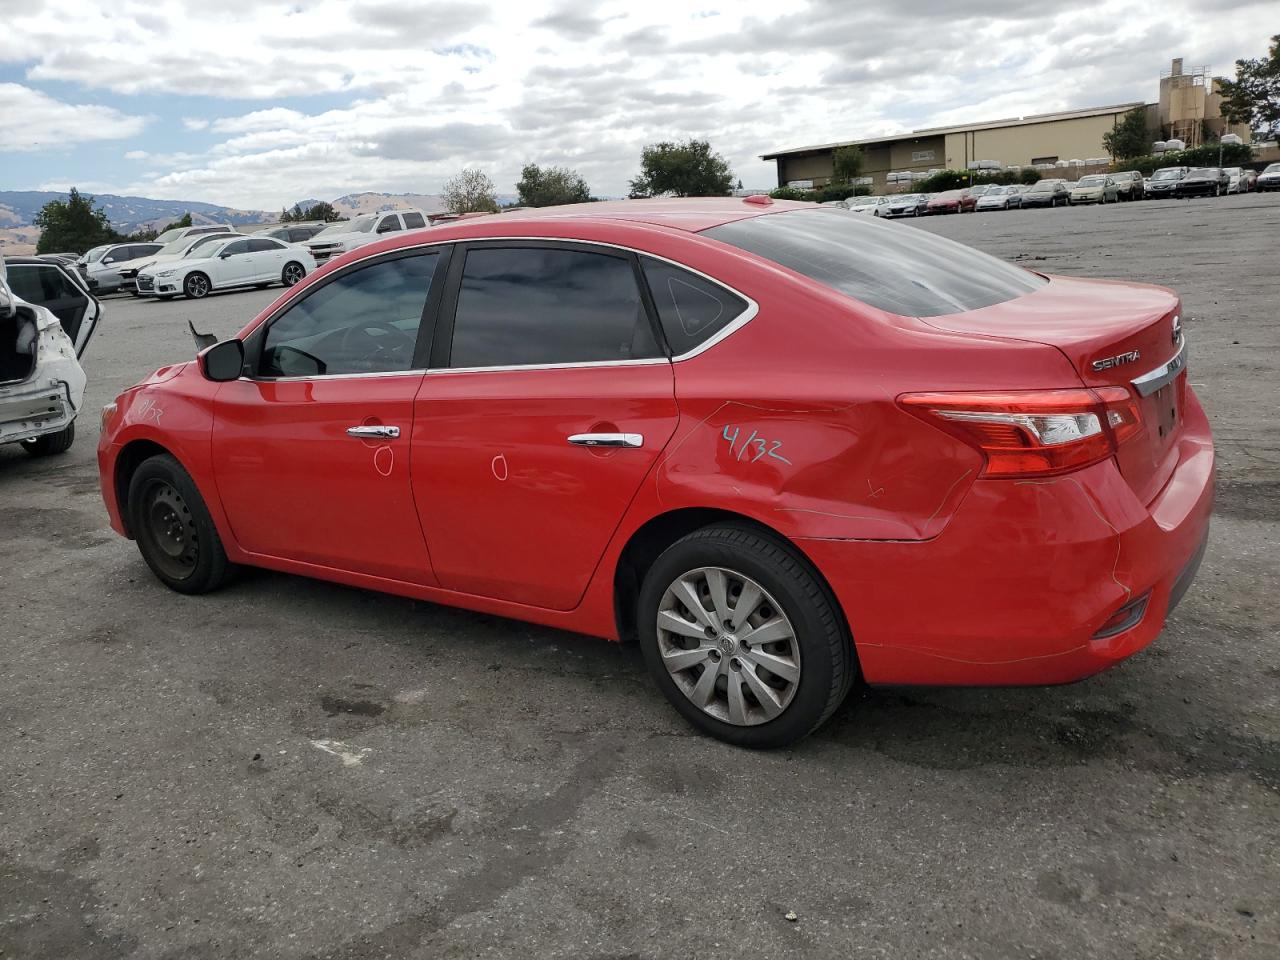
pixel 607 439
pixel 373 430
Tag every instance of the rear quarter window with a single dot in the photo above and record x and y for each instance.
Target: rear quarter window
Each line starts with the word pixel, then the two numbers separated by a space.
pixel 899 269
pixel 691 308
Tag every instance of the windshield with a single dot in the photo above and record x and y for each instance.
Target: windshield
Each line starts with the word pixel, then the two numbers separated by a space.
pixel 358 225
pixel 1043 185
pixel 1166 175
pixel 201 248
pixel 1272 168
pixel 170 235
pixel 1091 181
pixel 908 272
pixel 94 255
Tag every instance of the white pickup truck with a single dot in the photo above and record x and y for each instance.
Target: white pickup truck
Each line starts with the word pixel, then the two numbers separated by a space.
pixel 46 320
pixel 337 238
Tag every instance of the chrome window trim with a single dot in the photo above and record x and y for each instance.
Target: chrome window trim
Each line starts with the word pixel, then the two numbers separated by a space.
pixel 747 315
pixel 417 371
pixel 1162 375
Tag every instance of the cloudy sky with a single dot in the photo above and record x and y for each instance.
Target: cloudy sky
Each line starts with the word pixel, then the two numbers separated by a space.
pixel 257 104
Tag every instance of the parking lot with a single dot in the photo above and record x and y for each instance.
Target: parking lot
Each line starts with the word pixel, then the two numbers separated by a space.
pixel 291 768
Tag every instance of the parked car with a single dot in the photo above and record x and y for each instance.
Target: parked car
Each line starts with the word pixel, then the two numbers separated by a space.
pixel 1129 183
pixel 104 268
pixel 1269 179
pixel 46 321
pixel 225 265
pixel 1240 179
pixel 864 204
pixel 293 232
pixel 337 238
pixel 953 201
pixel 179 233
pixel 626 420
pixel 900 205
pixel 1000 198
pixel 1046 193
pixel 1164 182
pixel 1203 182
pixel 1095 188
pixel 170 251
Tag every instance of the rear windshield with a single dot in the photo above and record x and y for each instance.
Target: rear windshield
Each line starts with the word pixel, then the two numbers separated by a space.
pixel 902 270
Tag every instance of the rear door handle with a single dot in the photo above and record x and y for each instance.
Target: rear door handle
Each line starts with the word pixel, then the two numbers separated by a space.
pixel 607 439
pixel 373 430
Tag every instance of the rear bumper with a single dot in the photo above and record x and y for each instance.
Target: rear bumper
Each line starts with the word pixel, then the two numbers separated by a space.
pixel 35 408
pixel 1026 574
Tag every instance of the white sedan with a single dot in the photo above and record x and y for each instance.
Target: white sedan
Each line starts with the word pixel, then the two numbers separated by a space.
pixel 225 265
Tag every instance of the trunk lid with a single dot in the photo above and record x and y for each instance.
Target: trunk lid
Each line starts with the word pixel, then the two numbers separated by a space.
pixel 1112 333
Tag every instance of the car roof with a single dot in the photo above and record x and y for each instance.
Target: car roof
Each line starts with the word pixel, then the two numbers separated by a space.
pixel 693 214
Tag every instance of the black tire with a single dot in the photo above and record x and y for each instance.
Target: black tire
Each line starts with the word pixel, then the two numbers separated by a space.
pixel 51 443
pixel 196 286
pixel 292 273
pixel 827 663
pixel 173 529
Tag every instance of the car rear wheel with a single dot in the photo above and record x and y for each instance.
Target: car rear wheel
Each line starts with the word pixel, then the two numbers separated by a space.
pixel 51 443
pixel 174 531
pixel 742 637
pixel 292 273
pixel 197 286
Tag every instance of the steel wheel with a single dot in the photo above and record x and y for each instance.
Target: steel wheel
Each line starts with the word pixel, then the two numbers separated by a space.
pixel 197 286
pixel 170 530
pixel 729 647
pixel 293 273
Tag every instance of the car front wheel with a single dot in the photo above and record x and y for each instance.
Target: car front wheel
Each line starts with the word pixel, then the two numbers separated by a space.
pixel 174 531
pixel 196 286
pixel 742 637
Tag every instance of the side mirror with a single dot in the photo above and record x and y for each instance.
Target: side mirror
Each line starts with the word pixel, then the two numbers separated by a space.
pixel 7 306
pixel 224 256
pixel 223 361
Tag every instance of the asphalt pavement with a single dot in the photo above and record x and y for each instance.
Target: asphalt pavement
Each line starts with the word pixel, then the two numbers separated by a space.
pixel 294 769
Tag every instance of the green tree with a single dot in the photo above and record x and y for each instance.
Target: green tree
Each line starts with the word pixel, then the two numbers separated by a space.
pixel 470 191
pixel 72 225
pixel 1253 97
pixel 1029 175
pixel 184 222
pixel 690 169
pixel 1129 137
pixel 551 186
pixel 319 210
pixel 846 164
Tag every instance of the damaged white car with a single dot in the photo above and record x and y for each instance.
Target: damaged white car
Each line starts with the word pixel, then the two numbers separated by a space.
pixel 46 320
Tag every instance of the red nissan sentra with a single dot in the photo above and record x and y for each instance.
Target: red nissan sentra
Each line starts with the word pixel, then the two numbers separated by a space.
pixel 783 446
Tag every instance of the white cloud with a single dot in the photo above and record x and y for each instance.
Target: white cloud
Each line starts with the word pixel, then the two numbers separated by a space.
pixel 36 121
pixel 428 88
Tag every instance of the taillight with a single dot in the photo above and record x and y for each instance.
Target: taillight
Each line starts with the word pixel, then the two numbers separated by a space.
pixel 1033 433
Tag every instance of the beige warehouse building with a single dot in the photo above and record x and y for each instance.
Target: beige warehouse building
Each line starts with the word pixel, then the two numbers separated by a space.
pixel 1188 106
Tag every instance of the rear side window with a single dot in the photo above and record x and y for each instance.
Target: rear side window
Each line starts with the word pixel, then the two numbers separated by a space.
pixel 365 321
pixel 898 269
pixel 262 245
pixel 519 306
pixel 691 308
pixel 412 220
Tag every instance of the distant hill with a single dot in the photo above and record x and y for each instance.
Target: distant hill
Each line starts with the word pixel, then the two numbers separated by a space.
pixel 19 207
pixel 356 204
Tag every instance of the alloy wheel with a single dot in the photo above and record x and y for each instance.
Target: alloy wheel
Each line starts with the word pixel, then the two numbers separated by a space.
pixel 197 286
pixel 729 647
pixel 292 274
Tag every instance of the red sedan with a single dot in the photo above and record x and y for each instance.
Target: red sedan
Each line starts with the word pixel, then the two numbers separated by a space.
pixel 784 447
pixel 953 201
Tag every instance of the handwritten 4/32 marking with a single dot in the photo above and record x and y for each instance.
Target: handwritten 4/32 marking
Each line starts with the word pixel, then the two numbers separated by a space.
pixel 764 448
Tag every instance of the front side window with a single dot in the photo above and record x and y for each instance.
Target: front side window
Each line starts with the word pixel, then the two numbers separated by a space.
pixel 365 321
pixel 908 272
pixel 40 285
pixel 389 224
pixel 234 249
pixel 519 306
pixel 691 308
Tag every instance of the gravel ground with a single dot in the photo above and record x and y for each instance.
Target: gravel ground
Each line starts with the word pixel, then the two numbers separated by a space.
pixel 291 769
